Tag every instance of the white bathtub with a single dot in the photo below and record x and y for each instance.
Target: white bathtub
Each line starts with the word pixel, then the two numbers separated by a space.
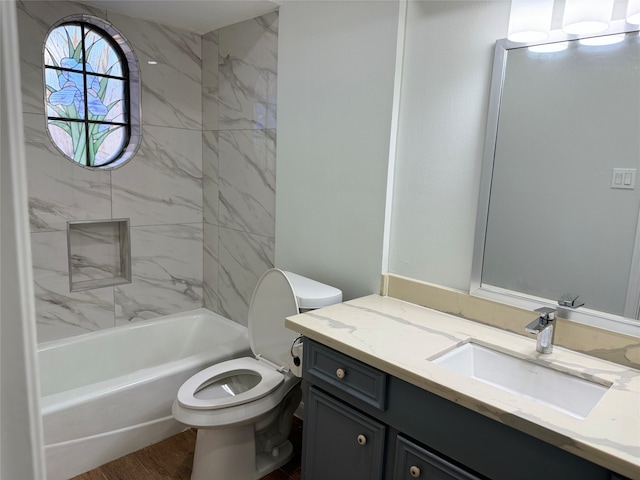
pixel 109 393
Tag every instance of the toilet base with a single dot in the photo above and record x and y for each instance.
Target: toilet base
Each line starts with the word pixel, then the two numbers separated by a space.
pixel 247 449
pixel 223 454
pixel 266 463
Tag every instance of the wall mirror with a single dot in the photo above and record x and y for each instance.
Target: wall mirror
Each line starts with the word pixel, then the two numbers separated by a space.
pixel 560 189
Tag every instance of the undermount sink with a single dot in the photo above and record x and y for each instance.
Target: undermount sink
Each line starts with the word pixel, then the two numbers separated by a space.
pixel 567 393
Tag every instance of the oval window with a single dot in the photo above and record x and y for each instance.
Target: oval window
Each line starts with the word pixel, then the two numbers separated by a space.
pixel 89 84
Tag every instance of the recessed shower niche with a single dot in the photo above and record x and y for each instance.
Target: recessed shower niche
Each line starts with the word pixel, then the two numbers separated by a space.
pixel 99 253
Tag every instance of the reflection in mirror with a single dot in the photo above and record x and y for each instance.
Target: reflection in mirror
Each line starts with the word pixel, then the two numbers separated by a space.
pixel 560 199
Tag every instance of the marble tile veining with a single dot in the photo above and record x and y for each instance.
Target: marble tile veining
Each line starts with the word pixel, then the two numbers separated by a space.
pixel 60 191
pixel 211 265
pixel 401 338
pixel 171 89
pixel 248 64
pixel 210 82
pixel 210 174
pixel 163 183
pixel 248 181
pixel 239 151
pixel 60 313
pixel 166 270
pixel 243 259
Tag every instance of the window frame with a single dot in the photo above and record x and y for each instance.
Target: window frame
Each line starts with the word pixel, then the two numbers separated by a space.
pixel 131 89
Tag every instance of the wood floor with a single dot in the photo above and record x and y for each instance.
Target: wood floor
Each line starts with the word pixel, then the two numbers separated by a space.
pixel 171 460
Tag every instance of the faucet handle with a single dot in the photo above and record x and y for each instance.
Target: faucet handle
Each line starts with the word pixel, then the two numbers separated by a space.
pixel 570 300
pixel 546 313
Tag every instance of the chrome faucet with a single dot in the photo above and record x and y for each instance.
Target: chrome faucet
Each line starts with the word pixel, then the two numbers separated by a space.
pixel 543 327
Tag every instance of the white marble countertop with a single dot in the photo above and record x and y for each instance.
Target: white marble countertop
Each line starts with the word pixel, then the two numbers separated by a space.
pixel 400 338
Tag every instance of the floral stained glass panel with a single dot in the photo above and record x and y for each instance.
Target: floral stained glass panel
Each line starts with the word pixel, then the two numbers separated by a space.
pixel 106 142
pixel 64 42
pixel 101 55
pixel 65 93
pixel 113 99
pixel 70 137
pixel 86 98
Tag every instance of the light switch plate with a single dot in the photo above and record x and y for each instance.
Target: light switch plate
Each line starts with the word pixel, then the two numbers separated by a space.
pixel 624 178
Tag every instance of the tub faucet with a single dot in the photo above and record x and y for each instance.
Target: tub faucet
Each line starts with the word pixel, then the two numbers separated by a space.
pixel 543 327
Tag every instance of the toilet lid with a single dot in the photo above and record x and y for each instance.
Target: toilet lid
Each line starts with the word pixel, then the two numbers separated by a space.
pixel 273 300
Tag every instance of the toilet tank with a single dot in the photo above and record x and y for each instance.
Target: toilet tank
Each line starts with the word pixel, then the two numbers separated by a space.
pixel 311 294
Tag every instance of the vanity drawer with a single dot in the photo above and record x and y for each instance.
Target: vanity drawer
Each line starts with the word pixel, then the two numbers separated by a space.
pixel 350 376
pixel 413 461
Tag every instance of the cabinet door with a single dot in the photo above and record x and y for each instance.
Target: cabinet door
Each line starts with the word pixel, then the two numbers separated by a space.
pixel 340 442
pixel 414 462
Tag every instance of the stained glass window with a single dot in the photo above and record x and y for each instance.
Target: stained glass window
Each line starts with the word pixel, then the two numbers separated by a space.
pixel 88 94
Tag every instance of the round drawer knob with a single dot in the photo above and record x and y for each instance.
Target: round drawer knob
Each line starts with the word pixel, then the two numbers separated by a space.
pixel 414 471
pixel 362 440
pixel 340 373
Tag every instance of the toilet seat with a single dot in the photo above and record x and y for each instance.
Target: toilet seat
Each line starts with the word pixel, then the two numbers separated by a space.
pixel 269 380
pixel 273 300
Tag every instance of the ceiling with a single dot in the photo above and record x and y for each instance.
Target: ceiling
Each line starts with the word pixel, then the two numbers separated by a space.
pixel 200 16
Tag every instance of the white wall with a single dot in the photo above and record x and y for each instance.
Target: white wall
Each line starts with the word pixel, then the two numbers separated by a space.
pixel 446 77
pixel 335 86
pixel 331 165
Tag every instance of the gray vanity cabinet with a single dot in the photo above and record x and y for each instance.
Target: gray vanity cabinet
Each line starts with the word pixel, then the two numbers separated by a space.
pixel 342 442
pixel 413 461
pixel 345 443
pixel 361 423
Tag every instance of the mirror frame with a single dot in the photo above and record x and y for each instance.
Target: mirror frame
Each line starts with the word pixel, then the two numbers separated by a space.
pixel 583 315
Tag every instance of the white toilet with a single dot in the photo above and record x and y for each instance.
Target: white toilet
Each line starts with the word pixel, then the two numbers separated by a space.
pixel 243 408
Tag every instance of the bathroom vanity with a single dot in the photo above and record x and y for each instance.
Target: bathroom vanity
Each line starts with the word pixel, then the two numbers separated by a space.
pixel 378 407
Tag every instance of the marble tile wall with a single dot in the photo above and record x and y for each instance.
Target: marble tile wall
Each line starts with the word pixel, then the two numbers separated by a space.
pixel 159 190
pixel 239 77
pixel 200 192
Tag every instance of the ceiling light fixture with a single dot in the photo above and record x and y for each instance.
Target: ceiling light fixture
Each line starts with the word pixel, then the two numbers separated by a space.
pixel 633 12
pixel 530 20
pixel 583 17
pixel 549 47
pixel 603 40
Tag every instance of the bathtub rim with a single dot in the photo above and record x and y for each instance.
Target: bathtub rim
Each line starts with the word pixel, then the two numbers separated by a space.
pixel 138 324
pixel 57 401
